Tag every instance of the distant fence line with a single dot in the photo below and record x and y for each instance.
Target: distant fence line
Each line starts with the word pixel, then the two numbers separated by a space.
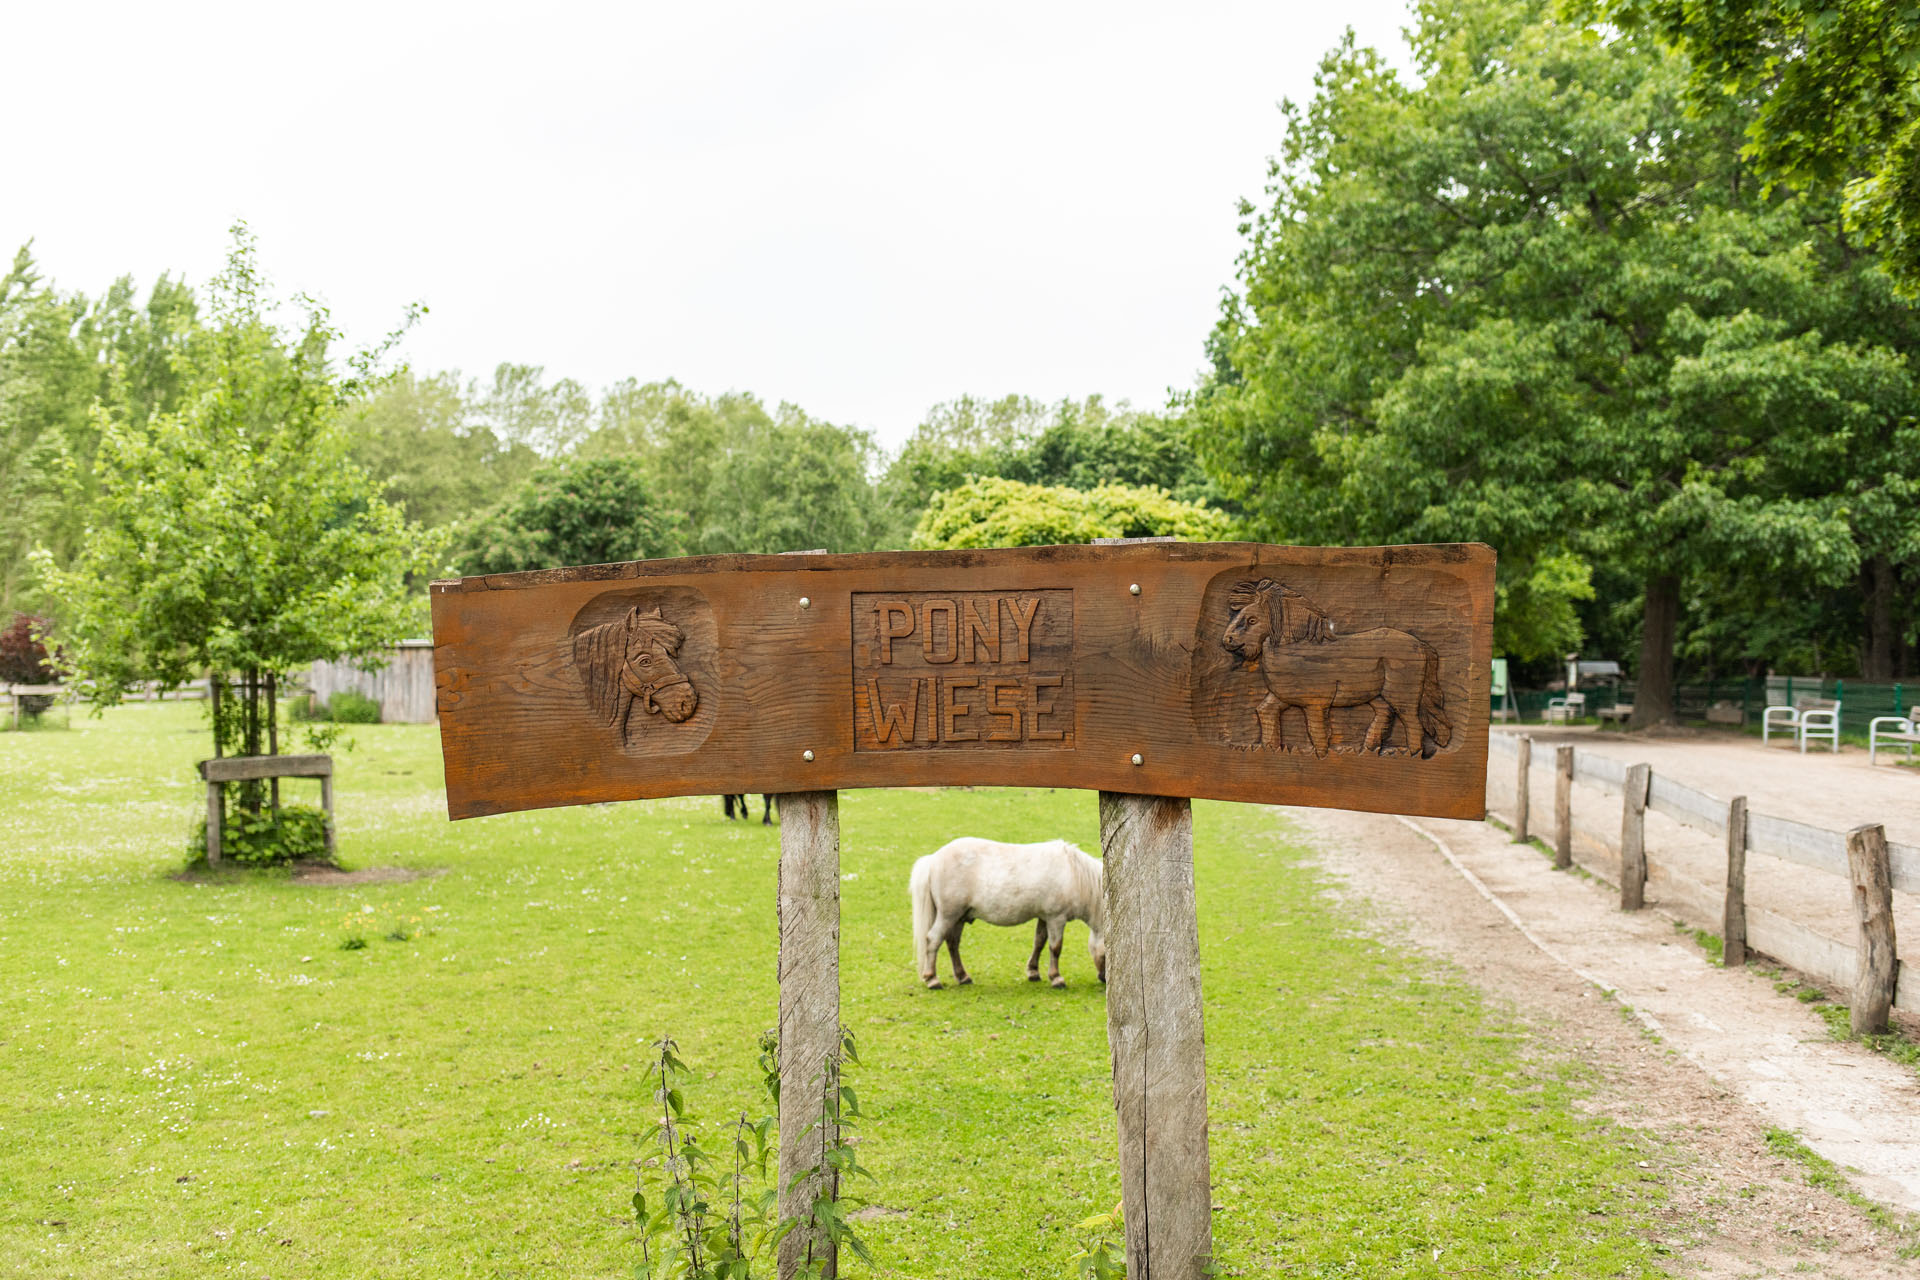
pixel 403 686
pixel 1724 909
pixel 1860 700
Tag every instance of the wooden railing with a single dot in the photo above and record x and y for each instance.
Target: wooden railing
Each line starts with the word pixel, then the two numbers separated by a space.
pixel 1868 867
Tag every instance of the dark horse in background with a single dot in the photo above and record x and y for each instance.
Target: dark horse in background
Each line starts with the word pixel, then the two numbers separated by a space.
pixel 766 817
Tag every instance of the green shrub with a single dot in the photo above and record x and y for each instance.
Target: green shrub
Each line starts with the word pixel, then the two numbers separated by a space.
pixel 348 707
pixel 297 833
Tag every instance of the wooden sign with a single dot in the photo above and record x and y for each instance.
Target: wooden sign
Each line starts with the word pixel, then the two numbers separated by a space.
pixel 1338 677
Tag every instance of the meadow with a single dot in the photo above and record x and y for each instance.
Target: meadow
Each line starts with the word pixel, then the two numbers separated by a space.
pixel 245 1075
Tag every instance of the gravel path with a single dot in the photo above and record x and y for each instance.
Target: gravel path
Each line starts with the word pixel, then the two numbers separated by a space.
pixel 1706 1064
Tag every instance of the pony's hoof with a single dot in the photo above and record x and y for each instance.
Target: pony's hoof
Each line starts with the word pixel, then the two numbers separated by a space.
pixel 965 980
pixel 933 984
pixel 1060 982
pixel 1033 975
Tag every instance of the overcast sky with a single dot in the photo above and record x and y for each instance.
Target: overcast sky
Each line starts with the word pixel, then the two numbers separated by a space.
pixel 864 209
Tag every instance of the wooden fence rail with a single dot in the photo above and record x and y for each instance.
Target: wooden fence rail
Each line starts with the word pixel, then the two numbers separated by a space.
pixel 1861 861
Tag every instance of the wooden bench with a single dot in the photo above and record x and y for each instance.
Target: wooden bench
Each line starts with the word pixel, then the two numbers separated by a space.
pixel 20 692
pixel 1621 711
pixel 224 769
pixel 1902 729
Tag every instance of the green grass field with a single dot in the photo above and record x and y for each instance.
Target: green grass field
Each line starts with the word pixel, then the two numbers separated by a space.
pixel 197 1079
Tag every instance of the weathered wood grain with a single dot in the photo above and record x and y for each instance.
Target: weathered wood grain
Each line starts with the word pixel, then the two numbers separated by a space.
pixel 1523 787
pixel 1633 837
pixel 1873 905
pixel 1733 915
pixel 1155 1030
pixel 809 908
pixel 254 768
pixel 1000 667
pixel 1563 807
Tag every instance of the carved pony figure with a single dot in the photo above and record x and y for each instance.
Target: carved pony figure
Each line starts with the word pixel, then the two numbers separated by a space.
pixel 632 660
pixel 1307 664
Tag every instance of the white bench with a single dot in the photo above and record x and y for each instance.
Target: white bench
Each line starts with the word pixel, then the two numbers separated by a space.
pixel 1808 718
pixel 1902 729
pixel 1621 711
pixel 1566 710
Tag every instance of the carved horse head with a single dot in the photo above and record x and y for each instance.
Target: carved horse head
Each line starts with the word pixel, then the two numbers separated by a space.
pixel 1263 612
pixel 632 660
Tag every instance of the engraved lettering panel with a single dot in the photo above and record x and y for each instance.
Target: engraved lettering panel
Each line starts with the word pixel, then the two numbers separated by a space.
pixel 963 670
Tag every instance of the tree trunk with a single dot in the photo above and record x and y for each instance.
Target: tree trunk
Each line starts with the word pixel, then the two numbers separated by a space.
pixel 1876 582
pixel 1653 693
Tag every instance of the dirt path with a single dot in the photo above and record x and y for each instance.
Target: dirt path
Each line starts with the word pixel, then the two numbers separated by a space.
pixel 1705 1061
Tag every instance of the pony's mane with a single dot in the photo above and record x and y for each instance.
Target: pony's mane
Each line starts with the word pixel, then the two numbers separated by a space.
pixel 1295 619
pixel 655 627
pixel 600 653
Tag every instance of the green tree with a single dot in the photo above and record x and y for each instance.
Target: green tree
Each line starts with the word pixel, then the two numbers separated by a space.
pixel 422 439
pixel 1833 90
pixel 235 536
pixel 1526 300
pixel 994 512
pixel 592 511
pixel 1077 443
pixel 60 354
pixel 744 478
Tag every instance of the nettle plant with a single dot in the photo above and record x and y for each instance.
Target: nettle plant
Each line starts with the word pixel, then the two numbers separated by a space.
pixel 712 1211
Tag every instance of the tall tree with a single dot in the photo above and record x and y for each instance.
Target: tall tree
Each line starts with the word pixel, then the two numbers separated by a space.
pixel 591 511
pixel 1528 300
pixel 1834 88
pixel 745 478
pixel 235 536
pixel 434 456
pixel 60 354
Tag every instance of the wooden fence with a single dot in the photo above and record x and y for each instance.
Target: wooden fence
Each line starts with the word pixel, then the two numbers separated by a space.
pixel 1868 868
pixel 403 686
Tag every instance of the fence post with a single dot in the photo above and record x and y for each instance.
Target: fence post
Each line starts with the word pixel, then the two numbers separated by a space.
pixel 1154 1029
pixel 1872 875
pixel 1563 807
pixel 1733 920
pixel 1633 838
pixel 809 906
pixel 215 807
pixel 1523 795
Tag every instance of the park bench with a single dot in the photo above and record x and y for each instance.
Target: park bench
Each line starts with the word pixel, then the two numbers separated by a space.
pixel 1901 729
pixel 19 693
pixel 1808 718
pixel 1566 710
pixel 1621 711
pixel 224 769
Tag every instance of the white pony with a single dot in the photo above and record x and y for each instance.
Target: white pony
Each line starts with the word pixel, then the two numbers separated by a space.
pixel 971 879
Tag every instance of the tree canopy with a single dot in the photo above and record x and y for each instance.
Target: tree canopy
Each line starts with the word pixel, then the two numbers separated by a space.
pixel 593 511
pixel 1525 299
pixel 995 512
pixel 234 534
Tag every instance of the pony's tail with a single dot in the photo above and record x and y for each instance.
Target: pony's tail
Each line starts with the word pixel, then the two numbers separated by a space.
pixel 1433 716
pixel 920 887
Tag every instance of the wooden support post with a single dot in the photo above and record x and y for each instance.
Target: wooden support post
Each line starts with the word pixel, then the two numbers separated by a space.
pixel 326 807
pixel 1633 838
pixel 1155 1030
pixel 214 808
pixel 1733 923
pixel 1523 792
pixel 1563 807
pixel 1872 875
pixel 809 1003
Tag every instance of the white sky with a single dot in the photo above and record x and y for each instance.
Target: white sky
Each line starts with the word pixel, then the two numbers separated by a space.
pixel 861 208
